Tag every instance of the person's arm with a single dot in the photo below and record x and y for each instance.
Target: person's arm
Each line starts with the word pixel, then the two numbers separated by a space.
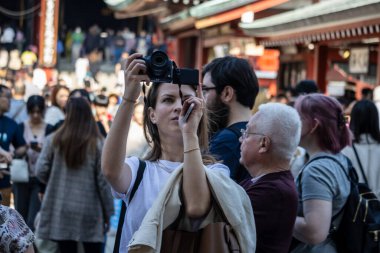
pixel 21 151
pixel 19 142
pixel 118 173
pixel 314 227
pixel 5 156
pixel 195 188
pixel 45 161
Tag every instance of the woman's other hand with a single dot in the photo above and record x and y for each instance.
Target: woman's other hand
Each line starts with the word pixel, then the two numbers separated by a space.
pixel 192 122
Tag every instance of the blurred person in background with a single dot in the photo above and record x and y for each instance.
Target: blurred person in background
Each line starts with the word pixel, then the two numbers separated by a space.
pixel 137 143
pixel 101 115
pixel 29 57
pixel 113 104
pixel 10 134
pixel 364 125
pixel 77 203
pixel 17 110
pixel 26 199
pixel 301 156
pixel 367 93
pixel 77 38
pixel 7 37
pixel 55 112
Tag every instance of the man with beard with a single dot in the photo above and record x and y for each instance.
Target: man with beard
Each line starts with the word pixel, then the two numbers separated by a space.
pixel 230 88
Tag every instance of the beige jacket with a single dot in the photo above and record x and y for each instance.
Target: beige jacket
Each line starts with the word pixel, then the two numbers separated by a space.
pixel 232 198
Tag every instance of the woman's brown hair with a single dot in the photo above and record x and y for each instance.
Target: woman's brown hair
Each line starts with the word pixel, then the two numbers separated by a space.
pixel 54 93
pixel 79 133
pixel 153 137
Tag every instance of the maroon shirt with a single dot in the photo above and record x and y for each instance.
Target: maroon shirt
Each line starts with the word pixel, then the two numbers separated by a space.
pixel 274 201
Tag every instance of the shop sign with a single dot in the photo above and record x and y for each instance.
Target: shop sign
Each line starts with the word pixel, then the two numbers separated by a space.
pixel 48 32
pixel 359 60
pixel 336 88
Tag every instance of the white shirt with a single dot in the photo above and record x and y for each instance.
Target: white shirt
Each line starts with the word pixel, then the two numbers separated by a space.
pixel 368 151
pixel 8 35
pixel 155 177
pixel 53 115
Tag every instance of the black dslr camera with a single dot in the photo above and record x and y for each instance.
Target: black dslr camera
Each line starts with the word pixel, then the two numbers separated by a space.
pixel 161 69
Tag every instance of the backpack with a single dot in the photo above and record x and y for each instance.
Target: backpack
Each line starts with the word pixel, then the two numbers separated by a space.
pixel 359 228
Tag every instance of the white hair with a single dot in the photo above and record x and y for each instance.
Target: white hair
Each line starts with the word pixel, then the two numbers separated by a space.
pixel 282 124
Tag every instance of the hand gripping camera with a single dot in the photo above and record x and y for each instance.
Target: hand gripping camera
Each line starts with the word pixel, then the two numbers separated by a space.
pixel 161 69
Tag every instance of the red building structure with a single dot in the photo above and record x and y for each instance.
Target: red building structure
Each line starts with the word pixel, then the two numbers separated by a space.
pixel 315 38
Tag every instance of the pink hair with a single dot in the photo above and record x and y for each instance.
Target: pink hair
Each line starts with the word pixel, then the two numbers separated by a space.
pixel 333 134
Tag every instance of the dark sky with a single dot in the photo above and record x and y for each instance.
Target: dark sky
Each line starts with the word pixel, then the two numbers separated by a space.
pixel 83 13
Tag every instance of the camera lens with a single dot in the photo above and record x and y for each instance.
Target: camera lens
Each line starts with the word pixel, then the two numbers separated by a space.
pixel 159 59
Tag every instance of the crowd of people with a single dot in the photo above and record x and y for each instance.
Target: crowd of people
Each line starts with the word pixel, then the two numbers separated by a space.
pixel 268 172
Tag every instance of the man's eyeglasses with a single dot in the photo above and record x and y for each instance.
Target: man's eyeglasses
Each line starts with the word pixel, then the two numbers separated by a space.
pixel 244 133
pixel 207 89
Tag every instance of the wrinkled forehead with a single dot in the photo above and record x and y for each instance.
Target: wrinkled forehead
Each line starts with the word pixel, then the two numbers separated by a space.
pixel 173 90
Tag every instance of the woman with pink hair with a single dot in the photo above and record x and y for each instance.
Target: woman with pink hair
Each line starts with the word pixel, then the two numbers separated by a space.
pixel 322 184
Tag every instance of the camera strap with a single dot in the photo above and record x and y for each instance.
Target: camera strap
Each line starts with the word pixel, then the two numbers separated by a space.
pixel 175 68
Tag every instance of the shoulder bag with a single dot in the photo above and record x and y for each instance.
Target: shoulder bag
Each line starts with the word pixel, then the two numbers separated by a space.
pixel 19 171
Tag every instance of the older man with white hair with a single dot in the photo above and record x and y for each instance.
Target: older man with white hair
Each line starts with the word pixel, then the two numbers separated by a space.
pixel 267 145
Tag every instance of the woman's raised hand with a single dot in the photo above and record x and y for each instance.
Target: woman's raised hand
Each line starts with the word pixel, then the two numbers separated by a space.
pixel 134 73
pixel 192 122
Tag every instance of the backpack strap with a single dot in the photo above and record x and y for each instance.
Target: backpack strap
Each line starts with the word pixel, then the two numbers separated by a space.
pixel 360 164
pixel 318 158
pixel 348 175
pixel 140 173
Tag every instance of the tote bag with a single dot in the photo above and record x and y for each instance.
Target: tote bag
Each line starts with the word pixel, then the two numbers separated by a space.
pixel 19 171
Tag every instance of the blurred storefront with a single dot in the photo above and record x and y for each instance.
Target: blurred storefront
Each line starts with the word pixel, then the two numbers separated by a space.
pixel 318 39
pixel 211 30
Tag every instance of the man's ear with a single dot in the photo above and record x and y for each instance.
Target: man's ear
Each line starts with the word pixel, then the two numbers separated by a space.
pixel 152 115
pixel 227 94
pixel 265 144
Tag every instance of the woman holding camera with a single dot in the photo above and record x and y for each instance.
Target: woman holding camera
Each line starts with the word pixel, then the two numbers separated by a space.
pixel 173 140
pixel 34 128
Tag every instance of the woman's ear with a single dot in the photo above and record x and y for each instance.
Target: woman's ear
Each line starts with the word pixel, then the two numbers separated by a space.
pixel 227 94
pixel 152 115
pixel 315 125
